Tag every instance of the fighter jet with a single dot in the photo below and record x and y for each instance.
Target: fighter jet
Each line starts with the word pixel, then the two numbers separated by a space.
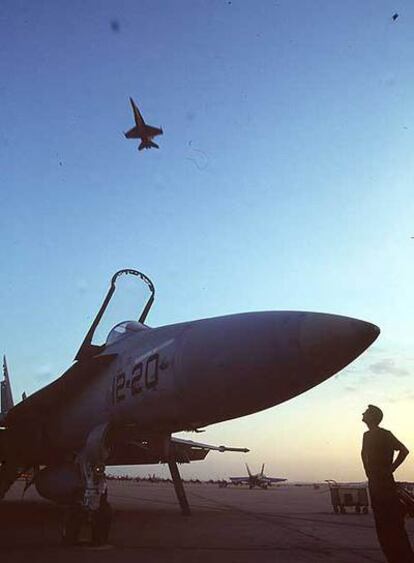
pixel 142 131
pixel 256 480
pixel 122 400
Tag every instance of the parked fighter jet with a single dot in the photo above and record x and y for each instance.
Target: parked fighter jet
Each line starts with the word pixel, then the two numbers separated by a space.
pixel 256 480
pixel 123 399
pixel 142 131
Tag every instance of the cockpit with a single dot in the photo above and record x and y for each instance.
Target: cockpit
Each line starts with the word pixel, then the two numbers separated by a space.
pixel 121 330
pixel 124 329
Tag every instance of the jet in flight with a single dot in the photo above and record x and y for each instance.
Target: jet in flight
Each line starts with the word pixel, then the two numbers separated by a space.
pixel 123 399
pixel 142 131
pixel 256 480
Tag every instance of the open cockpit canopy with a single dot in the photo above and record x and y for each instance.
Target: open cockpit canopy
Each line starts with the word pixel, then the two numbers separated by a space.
pixel 89 349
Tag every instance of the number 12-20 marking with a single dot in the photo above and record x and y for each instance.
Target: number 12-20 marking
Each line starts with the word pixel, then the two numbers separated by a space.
pixel 120 383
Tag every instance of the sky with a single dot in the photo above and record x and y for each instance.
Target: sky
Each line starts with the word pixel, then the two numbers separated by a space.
pixel 283 181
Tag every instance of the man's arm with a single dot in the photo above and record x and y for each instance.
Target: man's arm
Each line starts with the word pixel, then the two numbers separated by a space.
pixel 402 453
pixel 364 455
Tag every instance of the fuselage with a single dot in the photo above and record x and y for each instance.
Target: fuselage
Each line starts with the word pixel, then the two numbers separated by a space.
pixel 193 374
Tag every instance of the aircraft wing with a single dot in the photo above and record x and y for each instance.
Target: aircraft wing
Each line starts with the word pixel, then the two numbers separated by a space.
pixel 240 479
pixel 184 451
pixel 275 479
pixel 132 133
pixel 153 131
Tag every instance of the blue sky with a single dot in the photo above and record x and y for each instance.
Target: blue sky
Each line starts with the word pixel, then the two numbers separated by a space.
pixel 283 181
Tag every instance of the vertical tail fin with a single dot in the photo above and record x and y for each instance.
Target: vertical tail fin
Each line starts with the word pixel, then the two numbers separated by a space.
pixel 248 470
pixel 6 395
pixel 262 471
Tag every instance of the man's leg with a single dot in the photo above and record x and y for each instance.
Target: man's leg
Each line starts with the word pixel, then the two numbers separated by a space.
pixel 403 550
pixel 389 523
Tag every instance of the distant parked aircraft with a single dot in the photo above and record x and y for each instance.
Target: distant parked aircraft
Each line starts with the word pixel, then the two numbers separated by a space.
pixel 142 131
pixel 256 480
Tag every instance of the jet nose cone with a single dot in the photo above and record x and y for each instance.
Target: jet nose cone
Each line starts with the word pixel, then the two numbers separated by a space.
pixel 330 342
pixel 239 364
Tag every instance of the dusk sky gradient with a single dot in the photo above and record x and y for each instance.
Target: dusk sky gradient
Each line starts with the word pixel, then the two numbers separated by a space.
pixel 284 180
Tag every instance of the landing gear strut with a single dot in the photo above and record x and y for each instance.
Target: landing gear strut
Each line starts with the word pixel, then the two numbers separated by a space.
pixel 178 486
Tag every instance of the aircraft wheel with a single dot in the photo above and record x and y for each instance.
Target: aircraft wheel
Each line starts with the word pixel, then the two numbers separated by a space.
pixel 101 522
pixel 72 523
pixel 342 509
pixel 365 510
pixel 336 509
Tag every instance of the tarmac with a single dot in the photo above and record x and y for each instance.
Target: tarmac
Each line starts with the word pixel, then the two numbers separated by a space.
pixel 284 524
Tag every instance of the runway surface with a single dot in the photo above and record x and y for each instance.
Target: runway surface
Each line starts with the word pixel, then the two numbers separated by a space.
pixel 287 524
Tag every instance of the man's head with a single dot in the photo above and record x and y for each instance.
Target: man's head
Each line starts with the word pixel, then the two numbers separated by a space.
pixel 372 416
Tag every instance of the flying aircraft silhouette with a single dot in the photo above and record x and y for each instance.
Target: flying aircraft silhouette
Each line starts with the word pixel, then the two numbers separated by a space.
pixel 142 131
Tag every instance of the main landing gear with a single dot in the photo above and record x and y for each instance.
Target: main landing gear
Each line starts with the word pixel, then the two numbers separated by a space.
pixel 8 474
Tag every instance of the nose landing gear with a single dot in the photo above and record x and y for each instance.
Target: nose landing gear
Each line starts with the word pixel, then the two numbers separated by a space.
pixel 89 522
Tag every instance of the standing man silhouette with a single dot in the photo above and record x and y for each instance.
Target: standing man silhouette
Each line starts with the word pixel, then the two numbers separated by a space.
pixel 378 447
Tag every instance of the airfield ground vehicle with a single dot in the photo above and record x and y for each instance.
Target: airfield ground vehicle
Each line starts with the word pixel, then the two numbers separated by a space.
pixel 345 496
